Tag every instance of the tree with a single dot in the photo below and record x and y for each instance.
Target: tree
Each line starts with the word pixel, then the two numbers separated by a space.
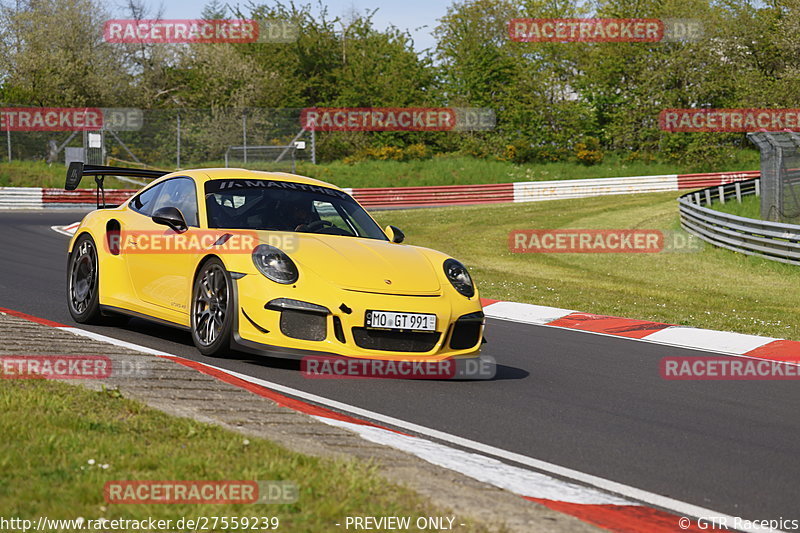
pixel 52 54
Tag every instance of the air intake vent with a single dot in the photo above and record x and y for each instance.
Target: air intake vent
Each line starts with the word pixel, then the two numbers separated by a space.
pixel 395 341
pixel 466 331
pixel 304 326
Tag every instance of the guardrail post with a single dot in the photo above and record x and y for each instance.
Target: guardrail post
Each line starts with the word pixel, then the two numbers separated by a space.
pixel 721 191
pixel 738 186
pixel 708 197
pixel 758 187
pixel 697 198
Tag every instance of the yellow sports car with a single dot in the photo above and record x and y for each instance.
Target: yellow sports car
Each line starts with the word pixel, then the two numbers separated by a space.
pixel 270 263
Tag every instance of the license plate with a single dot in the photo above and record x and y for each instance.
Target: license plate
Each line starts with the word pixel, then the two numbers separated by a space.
pixel 402 321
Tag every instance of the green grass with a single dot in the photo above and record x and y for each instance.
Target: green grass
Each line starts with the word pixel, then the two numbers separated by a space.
pixel 713 288
pixel 442 170
pixel 40 174
pixel 51 431
pixel 749 207
pixel 464 170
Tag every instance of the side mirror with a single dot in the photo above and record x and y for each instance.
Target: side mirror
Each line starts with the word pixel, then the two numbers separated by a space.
pixel 395 234
pixel 172 217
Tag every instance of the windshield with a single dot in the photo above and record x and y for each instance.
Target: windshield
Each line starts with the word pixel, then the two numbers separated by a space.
pixel 286 206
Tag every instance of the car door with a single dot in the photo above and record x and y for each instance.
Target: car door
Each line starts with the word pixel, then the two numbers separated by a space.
pixel 160 264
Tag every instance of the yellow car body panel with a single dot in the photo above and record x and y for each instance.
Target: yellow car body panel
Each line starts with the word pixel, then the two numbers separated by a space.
pixel 347 275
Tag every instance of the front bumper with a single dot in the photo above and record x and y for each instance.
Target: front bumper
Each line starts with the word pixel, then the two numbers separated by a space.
pixel 334 324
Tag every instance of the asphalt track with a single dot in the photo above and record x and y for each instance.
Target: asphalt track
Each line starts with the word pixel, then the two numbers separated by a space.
pixel 588 402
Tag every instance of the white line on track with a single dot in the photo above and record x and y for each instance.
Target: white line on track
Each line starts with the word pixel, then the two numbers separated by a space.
pixel 68 230
pixel 638 495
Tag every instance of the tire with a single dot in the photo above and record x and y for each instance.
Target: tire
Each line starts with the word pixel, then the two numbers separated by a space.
pixel 212 309
pixel 83 288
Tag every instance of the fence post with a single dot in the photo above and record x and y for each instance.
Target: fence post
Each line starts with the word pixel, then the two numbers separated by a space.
pixel 244 136
pixel 738 186
pixel 758 187
pixel 721 191
pixel 178 145
pixel 708 197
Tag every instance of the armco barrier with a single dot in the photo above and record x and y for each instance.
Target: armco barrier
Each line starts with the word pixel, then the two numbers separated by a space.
pixel 429 196
pixel 82 197
pixel 20 198
pixel 696 181
pixel 533 191
pixel 771 240
pixel 402 197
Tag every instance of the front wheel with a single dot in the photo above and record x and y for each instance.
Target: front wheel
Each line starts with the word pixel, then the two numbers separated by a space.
pixel 212 309
pixel 83 295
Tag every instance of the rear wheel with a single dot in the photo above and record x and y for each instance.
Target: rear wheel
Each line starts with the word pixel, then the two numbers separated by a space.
pixel 83 296
pixel 212 309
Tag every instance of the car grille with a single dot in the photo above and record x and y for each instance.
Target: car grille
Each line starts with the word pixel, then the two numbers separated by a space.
pixel 395 341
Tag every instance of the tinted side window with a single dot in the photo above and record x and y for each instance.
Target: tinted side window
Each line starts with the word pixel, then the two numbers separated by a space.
pixel 143 202
pixel 180 193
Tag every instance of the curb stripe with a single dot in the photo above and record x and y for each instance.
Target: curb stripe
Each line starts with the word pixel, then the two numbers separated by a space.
pixel 611 325
pixel 525 313
pixel 723 342
pixel 778 350
pixel 621 518
pixel 708 339
pixel 31 318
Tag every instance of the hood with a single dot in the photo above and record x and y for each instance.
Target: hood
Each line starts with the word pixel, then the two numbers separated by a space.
pixel 365 264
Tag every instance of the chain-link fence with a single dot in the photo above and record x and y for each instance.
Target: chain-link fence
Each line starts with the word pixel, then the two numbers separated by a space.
pixel 780 175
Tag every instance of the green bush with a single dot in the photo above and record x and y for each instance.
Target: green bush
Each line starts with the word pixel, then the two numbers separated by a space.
pixel 588 151
pixel 413 152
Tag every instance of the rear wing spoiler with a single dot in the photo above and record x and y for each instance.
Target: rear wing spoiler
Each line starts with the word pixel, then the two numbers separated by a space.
pixel 78 170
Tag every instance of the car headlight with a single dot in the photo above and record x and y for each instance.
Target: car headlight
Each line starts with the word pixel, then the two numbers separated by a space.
pixel 275 264
pixel 459 277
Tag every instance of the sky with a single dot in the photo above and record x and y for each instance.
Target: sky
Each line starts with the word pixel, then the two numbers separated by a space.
pixel 419 17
